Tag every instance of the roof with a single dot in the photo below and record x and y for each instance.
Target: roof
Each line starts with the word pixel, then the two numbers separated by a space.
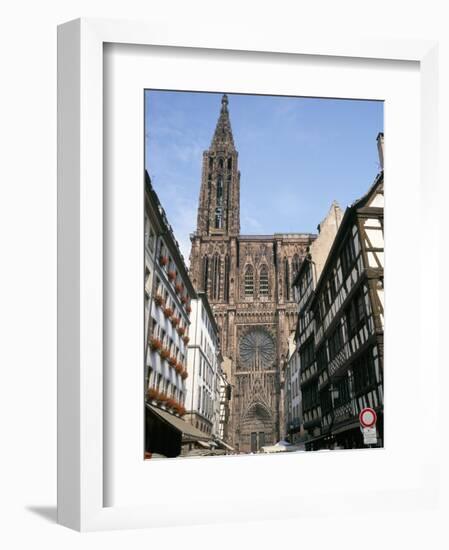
pixel 349 212
pixel 186 429
pixel 223 132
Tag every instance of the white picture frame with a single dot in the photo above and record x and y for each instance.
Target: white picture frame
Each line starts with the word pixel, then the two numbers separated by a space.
pixel 81 475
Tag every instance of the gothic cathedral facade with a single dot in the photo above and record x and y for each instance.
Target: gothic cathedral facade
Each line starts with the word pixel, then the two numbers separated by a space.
pixel 248 280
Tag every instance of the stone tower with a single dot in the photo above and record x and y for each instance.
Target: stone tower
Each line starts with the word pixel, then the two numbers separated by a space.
pixel 248 281
pixel 219 205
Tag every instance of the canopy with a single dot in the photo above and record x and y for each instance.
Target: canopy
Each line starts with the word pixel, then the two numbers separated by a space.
pixel 188 431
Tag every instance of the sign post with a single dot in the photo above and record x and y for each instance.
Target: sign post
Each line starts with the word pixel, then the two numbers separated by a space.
pixel 368 419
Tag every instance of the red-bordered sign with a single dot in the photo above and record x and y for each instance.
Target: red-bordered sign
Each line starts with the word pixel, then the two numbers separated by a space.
pixel 368 417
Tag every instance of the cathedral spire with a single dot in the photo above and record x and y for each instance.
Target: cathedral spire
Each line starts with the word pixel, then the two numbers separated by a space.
pixel 223 133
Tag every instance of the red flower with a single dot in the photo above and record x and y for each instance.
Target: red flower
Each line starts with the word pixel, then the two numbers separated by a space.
pixel 168 312
pixel 158 299
pixel 165 354
pixel 155 344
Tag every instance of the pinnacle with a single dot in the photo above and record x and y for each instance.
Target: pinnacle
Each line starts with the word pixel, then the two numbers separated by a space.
pixel 223 133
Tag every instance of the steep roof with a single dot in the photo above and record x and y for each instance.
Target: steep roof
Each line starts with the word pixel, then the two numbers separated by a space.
pixel 222 137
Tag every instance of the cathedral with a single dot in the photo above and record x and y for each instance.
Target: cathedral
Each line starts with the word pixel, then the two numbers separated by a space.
pixel 248 281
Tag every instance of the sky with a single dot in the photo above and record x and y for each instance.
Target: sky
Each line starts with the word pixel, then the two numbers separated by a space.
pixel 296 156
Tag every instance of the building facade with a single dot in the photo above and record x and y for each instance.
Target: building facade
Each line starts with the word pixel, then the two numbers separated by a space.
pixel 293 428
pixel 247 279
pixel 306 357
pixel 168 297
pixel 204 369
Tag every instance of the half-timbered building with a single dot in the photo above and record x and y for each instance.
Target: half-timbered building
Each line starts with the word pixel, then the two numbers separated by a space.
pixel 310 361
pixel 344 373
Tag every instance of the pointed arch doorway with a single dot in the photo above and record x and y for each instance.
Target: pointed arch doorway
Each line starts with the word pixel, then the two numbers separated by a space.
pixel 257 429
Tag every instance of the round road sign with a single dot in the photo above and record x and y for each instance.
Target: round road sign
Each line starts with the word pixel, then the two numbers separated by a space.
pixel 368 417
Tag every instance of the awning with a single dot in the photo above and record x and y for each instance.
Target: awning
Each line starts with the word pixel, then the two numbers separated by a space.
pixel 221 443
pixel 179 424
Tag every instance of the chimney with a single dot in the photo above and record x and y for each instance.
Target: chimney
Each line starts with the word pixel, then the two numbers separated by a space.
pixel 380 149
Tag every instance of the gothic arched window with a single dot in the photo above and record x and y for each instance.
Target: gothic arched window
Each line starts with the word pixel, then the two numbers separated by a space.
pixel 216 277
pixel 226 278
pixel 287 279
pixel 229 163
pixel 219 191
pixel 205 272
pixel 263 281
pixel 295 264
pixel 249 281
pixel 218 218
pixel 220 164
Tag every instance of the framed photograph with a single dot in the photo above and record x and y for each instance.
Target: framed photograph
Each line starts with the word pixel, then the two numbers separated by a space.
pixel 232 300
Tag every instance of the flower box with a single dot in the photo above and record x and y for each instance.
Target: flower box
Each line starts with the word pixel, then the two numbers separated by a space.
pixel 155 344
pixel 163 260
pixel 179 288
pixel 179 368
pixel 152 393
pixel 174 321
pixel 158 300
pixel 186 340
pixel 188 309
pixel 165 354
pixel 171 275
pixel 171 403
pixel 184 374
pixel 172 361
pixel 184 299
pixel 168 312
pixel 163 397
pixel 181 331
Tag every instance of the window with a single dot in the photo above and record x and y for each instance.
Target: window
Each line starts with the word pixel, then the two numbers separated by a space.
pixel 306 353
pixel 216 277
pixel 321 357
pixel 249 281
pixel 356 314
pixel 261 439
pixel 229 163
pixel 263 281
pixel 335 342
pixel 218 218
pixel 342 392
pixel 310 396
pixel 226 278
pixel 295 264
pixel 205 272
pixel 364 373
pixel 287 279
pixel 347 255
pixel 219 191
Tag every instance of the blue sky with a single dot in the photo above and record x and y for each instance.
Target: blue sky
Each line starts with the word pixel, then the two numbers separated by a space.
pixel 296 155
